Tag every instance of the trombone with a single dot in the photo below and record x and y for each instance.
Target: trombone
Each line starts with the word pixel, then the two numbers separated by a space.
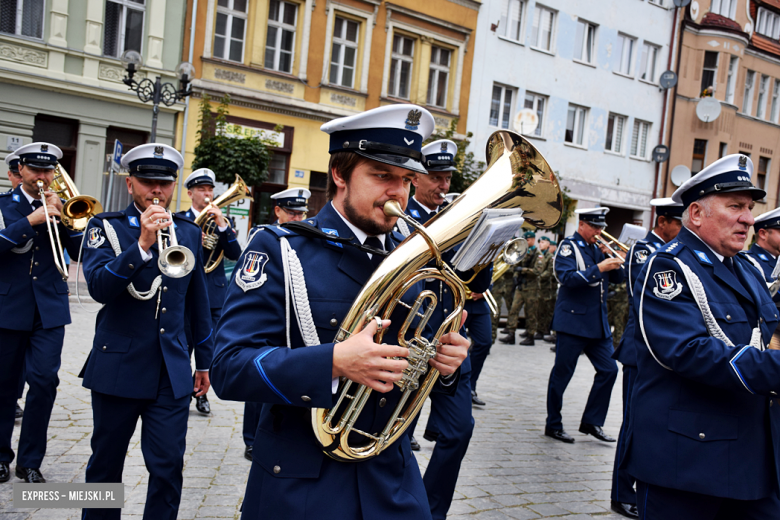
pixel 608 244
pixel 175 261
pixel 54 235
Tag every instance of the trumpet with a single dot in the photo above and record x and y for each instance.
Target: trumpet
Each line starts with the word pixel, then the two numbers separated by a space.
pixel 175 261
pixel 54 235
pixel 609 242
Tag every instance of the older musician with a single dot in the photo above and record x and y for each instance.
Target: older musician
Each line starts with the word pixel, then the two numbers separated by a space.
pixel 705 421
pixel 283 309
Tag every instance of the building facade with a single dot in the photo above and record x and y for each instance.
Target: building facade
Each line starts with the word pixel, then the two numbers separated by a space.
pixel 61 78
pixel 581 81
pixel 730 48
pixel 300 63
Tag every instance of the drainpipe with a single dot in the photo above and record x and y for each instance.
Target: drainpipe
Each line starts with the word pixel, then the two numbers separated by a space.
pixel 187 99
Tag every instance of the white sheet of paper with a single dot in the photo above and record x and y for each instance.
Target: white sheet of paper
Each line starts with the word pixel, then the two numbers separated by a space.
pixel 631 233
pixel 494 228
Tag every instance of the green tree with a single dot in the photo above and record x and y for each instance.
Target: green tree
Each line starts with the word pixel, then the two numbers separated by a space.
pixel 226 155
pixel 468 168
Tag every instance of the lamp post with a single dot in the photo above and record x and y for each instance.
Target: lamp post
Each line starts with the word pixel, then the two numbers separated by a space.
pixel 156 91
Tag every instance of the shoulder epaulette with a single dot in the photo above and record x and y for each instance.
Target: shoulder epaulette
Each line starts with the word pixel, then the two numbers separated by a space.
pixel 6 194
pixel 279 231
pixel 110 214
pixel 672 248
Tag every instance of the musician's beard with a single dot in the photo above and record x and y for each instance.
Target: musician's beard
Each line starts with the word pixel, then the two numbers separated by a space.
pixel 365 223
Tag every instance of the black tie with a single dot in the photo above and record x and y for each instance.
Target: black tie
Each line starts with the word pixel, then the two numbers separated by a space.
pixel 729 263
pixel 376 244
pixel 36 204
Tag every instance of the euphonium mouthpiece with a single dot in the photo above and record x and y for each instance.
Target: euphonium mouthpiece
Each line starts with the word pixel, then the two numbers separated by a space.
pixel 393 209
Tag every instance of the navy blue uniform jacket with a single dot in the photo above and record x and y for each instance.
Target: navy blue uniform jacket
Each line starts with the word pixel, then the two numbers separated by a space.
pixel 767 263
pixel 701 416
pixel 131 346
pixel 216 280
pixel 29 280
pixel 581 307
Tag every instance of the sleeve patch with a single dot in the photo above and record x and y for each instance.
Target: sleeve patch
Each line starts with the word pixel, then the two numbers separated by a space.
pixel 641 256
pixel 95 238
pixel 252 275
pixel 666 285
pixel 565 250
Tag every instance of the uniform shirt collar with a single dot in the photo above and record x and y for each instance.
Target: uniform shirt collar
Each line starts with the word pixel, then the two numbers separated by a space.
pixel 359 233
pixel 767 252
pixel 195 211
pixel 661 240
pixel 424 207
pixel 27 196
pixel 718 255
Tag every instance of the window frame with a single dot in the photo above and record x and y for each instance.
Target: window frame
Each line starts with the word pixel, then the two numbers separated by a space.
pixel 699 156
pixel 501 109
pixel 281 27
pixel 539 132
pixel 763 176
pixel 439 68
pixel 19 18
pixel 766 17
pixel 125 4
pixel 643 62
pixel 553 26
pixel 588 26
pixel 717 7
pixel 731 80
pixel 749 93
pixel 609 147
pixel 344 43
pixel 638 125
pixel 580 122
pixel 228 36
pixel 401 58
pixel 763 88
pixel 714 71
pixel 523 5
pixel 626 39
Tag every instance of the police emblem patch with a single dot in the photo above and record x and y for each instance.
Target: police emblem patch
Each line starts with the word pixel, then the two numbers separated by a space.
pixel 580 243
pixel 158 151
pixel 641 256
pixel 44 147
pixel 15 197
pixel 95 238
pixel 666 285
pixel 252 275
pixel 415 213
pixel 413 119
pixel 443 147
pixel 742 162
pixel 565 250
pixel 335 233
pixel 763 257
pixel 133 221
pixel 701 255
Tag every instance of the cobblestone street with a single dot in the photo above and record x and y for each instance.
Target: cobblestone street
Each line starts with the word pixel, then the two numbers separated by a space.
pixel 511 470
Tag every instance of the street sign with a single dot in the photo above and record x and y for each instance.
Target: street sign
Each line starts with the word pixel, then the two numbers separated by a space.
pixel 13 142
pixel 668 79
pixel 117 157
pixel 661 153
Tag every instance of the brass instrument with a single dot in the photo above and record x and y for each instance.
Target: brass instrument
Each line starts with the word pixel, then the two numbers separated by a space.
pixel 511 254
pixel 517 176
pixel 615 242
pixel 208 224
pixel 77 209
pixel 54 235
pixel 175 261
pixel 612 241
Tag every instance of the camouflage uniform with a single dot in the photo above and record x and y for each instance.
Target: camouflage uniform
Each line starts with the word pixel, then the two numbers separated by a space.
pixel 617 311
pixel 502 292
pixel 548 287
pixel 526 294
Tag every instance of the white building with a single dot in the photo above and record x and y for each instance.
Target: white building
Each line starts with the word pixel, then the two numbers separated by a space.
pixel 590 71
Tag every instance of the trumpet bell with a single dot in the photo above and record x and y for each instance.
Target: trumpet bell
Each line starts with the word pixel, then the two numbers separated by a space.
pixel 514 251
pixel 77 211
pixel 176 261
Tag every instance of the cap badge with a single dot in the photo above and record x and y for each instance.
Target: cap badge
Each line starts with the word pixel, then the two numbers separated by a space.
pixel 743 162
pixel 413 119
pixel 158 152
pixel 44 147
pixel 443 147
pixel 300 193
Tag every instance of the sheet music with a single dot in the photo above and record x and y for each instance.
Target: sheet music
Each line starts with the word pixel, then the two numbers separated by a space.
pixel 631 234
pixel 493 229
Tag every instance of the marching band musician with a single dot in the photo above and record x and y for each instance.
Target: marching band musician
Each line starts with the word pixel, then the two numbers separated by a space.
pixel 526 294
pixel 292 291
pixel 139 365
pixel 450 423
pixel 705 421
pixel 34 299
pixel 12 163
pixel 668 223
pixel 765 251
pixel 580 321
pixel 200 187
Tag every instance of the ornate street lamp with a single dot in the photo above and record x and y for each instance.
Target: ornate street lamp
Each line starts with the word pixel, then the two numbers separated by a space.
pixel 156 91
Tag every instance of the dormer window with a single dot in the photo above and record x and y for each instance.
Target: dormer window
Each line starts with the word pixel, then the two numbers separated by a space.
pixel 768 23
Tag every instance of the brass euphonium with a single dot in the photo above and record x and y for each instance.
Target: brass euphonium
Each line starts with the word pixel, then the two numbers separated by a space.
pixel 517 176
pixel 208 224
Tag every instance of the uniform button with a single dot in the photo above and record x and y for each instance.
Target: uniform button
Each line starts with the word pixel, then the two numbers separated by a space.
pixel 24 236
pixel 277 469
pixel 761 320
pixel 164 310
pixel 162 331
pixel 131 266
pixel 37 248
pixel 728 317
pixel 104 347
pixel 35 277
pixel 382 402
pixel 36 263
pixel 305 398
pixel 165 289
pixel 445 291
pixel 333 322
pixel 701 435
pixel 446 311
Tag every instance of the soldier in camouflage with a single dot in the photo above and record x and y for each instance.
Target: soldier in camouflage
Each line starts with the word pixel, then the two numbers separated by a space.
pixel 547 288
pixel 526 295
pixel 502 292
pixel 552 295
pixel 617 311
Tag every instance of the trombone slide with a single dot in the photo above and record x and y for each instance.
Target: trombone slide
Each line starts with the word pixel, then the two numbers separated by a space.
pixel 54 235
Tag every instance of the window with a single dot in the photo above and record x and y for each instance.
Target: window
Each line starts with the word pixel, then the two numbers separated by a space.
pixel 501 106
pixel 536 103
pixel 230 30
pixel 511 23
pixel 401 67
pixel 277 168
pixel 124 27
pixel 626 52
pixel 615 125
pixel 575 125
pixel 725 8
pixel 657 2
pixel 584 41
pixel 723 150
pixel 280 39
pixel 732 80
pixel 775 107
pixel 710 70
pixel 768 23
pixel 438 76
pixel 763 87
pixel 647 65
pixel 22 17
pixel 639 139
pixel 542 29
pixel 699 153
pixel 343 53
pixel 748 100
pixel 763 168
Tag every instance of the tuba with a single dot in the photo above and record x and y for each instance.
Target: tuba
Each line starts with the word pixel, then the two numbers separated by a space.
pixel 238 191
pixel 516 176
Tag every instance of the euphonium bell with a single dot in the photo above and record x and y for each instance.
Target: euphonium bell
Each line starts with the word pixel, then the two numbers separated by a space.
pixel 175 261
pixel 517 176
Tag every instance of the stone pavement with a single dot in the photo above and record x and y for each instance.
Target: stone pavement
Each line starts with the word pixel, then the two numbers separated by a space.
pixel 511 470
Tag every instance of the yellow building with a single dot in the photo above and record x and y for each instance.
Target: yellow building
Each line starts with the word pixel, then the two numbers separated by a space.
pixel 300 63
